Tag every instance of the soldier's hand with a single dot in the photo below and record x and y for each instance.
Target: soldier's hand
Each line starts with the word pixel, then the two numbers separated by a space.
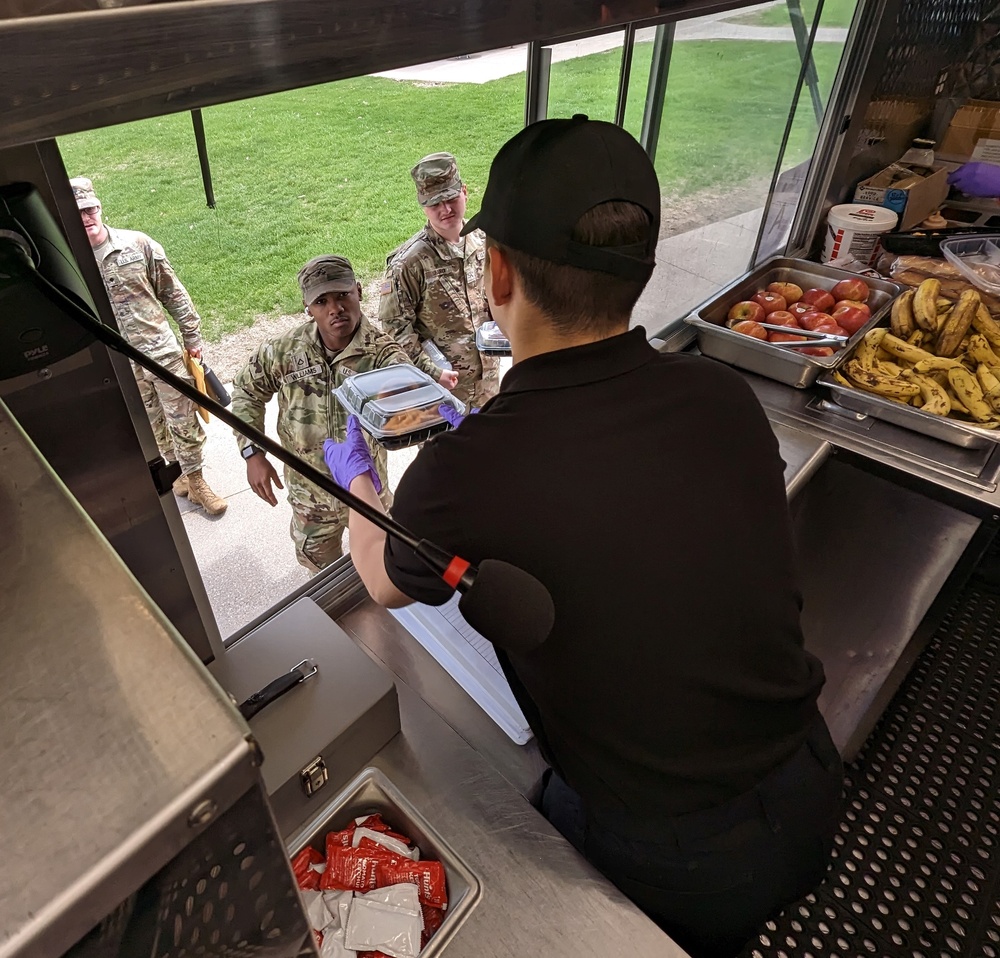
pixel 448 378
pixel 260 475
pixel 194 351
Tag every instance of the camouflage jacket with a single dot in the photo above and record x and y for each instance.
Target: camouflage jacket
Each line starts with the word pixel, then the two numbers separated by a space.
pixel 143 288
pixel 297 368
pixel 431 291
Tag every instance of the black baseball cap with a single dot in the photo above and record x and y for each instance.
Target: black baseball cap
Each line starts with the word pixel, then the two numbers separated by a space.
pixel 551 173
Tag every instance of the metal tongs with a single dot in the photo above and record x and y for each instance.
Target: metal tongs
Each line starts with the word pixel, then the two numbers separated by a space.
pixel 812 338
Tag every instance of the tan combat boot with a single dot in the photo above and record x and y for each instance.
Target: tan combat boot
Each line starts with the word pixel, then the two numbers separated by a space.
pixel 180 487
pixel 201 494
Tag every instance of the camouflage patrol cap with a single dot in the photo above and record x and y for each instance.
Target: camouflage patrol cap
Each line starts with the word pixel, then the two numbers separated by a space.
pixel 326 274
pixel 437 179
pixel 83 193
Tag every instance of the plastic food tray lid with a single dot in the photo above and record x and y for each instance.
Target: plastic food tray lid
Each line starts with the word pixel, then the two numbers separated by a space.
pixel 403 412
pixel 382 383
pixel 489 336
pixel 977 258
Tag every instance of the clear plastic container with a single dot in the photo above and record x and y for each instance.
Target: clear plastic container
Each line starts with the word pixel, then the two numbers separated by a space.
pixel 489 339
pixel 433 352
pixel 977 258
pixel 398 405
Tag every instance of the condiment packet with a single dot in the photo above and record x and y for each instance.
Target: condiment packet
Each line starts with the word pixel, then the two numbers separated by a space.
pixel 355 868
pixel 338 903
pixel 385 840
pixel 334 947
pixel 428 876
pixel 391 929
pixel 404 895
pixel 316 909
pixel 304 866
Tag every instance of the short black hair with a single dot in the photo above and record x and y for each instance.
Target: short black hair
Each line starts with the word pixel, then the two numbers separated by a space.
pixel 575 299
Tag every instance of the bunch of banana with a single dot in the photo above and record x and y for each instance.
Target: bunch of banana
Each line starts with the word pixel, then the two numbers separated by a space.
pixel 939 356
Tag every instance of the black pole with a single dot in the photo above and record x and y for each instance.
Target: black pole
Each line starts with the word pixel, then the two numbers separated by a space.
pixel 804 45
pixel 206 170
pixel 659 70
pixel 625 73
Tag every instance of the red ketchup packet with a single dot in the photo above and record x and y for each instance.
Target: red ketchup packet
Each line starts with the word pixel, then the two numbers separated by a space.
pixel 433 919
pixel 351 869
pixel 342 839
pixel 428 876
pixel 375 824
pixel 302 864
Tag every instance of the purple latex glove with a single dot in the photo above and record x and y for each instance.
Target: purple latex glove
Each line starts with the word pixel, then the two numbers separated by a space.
pixel 349 459
pixel 977 179
pixel 451 415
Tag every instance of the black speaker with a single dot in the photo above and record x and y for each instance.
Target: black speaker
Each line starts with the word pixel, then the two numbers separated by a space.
pixel 34 329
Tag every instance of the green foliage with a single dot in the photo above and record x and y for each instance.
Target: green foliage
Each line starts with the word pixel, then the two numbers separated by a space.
pixel 326 169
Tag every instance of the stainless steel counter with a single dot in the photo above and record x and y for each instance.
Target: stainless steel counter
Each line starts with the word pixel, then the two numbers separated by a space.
pixel 469 780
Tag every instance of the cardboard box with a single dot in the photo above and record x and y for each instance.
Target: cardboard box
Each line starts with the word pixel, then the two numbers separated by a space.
pixel 914 204
pixel 974 132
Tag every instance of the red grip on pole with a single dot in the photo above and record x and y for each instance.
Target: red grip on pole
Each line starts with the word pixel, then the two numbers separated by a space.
pixel 456 569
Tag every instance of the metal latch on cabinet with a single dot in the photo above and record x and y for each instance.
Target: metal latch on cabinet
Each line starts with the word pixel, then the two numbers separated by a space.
pixel 314 776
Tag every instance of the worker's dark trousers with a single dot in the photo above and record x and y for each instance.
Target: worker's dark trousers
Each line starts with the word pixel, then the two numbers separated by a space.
pixel 710 879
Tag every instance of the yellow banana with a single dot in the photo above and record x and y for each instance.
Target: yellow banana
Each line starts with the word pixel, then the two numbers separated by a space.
pixel 970 393
pixel 958 323
pixel 925 304
pixel 914 354
pixel 872 382
pixel 901 320
pixel 935 397
pixel 990 385
pixel 979 351
pixel 917 338
pixel 885 367
pixel 943 305
pixel 868 348
pixel 987 325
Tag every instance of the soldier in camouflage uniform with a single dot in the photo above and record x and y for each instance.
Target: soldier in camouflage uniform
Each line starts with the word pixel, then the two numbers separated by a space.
pixel 143 288
pixel 433 286
pixel 303 367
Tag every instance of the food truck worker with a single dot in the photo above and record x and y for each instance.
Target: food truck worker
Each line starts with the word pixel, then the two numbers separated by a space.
pixel 432 290
pixel 303 367
pixel 673 697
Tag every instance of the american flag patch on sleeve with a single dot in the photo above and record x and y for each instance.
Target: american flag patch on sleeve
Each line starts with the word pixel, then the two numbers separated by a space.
pixel 386 287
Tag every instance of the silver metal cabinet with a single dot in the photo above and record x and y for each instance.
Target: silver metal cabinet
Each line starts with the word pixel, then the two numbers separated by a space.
pixel 128 775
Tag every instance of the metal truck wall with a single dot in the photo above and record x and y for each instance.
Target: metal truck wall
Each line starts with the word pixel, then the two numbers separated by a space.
pixel 87 419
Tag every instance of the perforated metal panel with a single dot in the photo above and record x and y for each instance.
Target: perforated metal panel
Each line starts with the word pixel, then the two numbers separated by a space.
pixel 916 868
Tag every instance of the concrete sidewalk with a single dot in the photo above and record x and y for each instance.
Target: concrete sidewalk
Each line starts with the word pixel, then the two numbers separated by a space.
pixel 494 64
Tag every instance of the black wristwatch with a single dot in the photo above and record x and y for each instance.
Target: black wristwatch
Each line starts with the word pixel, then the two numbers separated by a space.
pixel 247 451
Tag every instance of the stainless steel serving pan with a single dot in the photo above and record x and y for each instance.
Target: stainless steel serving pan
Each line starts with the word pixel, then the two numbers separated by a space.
pixel 369 792
pixel 715 339
pixel 909 417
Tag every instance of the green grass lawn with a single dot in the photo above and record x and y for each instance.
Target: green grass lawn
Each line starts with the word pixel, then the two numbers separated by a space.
pixel 326 169
pixel 836 13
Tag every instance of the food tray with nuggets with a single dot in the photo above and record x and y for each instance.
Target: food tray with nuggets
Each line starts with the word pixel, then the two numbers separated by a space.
pixel 490 339
pixel 737 325
pixel 934 369
pixel 397 405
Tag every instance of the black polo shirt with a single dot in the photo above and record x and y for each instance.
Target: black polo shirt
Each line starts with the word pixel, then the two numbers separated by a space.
pixel 647 493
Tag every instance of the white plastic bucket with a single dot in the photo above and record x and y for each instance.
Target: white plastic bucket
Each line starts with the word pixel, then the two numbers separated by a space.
pixel 855 229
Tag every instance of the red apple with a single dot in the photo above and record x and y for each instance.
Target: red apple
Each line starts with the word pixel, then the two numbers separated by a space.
pixel 853 302
pixel 819 298
pixel 748 328
pixel 771 302
pixel 746 312
pixel 832 328
pixel 790 292
pixel 854 288
pixel 817 350
pixel 800 309
pixel 850 317
pixel 814 319
pixel 781 317
pixel 773 337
